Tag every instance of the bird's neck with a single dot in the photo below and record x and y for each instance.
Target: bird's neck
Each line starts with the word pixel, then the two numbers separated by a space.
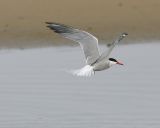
pixel 111 63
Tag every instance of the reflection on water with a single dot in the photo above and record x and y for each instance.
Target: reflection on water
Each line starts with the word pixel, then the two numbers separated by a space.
pixel 36 92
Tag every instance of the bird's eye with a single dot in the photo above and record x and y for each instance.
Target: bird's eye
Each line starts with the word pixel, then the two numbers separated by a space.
pixel 112 59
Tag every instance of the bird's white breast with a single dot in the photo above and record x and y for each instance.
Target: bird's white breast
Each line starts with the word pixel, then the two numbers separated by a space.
pixel 102 65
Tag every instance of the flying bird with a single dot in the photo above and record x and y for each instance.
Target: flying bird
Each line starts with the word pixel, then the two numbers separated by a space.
pixel 89 44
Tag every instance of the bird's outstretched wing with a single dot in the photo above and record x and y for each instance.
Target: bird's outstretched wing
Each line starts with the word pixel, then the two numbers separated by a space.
pixel 105 54
pixel 88 42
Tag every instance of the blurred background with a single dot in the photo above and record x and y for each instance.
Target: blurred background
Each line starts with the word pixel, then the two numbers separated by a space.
pixel 36 89
pixel 22 22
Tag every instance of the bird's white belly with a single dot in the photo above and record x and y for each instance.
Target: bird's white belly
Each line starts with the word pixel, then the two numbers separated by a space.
pixel 101 66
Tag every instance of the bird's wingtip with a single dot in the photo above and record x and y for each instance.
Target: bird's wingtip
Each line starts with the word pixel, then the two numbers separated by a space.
pixel 125 33
pixel 49 22
pixel 49 25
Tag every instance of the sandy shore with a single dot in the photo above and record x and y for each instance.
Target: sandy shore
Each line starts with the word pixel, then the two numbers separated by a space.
pixel 22 22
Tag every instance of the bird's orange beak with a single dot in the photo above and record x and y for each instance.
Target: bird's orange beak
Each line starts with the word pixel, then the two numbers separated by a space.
pixel 120 63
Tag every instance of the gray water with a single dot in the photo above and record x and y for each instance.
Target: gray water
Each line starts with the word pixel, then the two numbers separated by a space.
pixel 37 92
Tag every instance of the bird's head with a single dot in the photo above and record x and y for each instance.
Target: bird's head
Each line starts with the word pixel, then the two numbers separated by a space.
pixel 113 61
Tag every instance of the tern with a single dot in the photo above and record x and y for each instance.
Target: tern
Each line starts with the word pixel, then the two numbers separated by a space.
pixel 89 44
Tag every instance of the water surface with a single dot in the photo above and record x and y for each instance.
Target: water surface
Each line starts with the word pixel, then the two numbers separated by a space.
pixel 37 92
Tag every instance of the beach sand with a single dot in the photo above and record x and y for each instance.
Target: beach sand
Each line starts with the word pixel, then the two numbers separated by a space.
pixel 22 23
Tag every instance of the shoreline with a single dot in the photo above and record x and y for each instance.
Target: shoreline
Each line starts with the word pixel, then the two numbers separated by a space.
pixel 22 22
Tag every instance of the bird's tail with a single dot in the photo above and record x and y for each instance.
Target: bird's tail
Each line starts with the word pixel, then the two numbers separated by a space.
pixel 86 71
